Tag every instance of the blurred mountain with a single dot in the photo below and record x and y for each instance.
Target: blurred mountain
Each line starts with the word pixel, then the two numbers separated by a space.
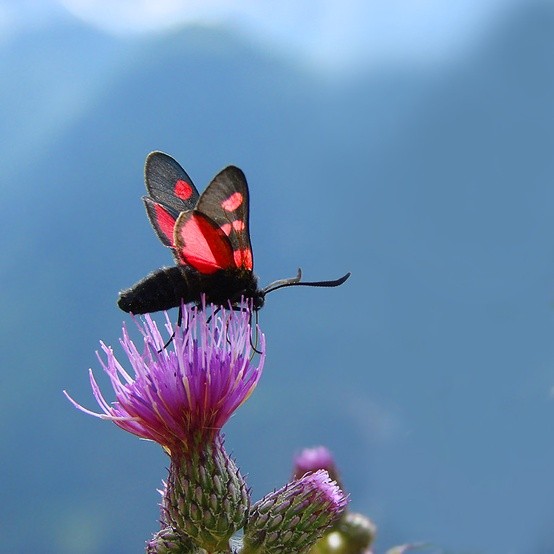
pixel 433 185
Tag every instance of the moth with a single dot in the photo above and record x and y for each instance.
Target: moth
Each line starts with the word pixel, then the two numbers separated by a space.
pixel 209 237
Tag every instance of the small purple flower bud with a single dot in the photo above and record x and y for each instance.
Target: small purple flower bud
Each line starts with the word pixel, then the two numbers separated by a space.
pixel 312 459
pixel 292 518
pixel 181 396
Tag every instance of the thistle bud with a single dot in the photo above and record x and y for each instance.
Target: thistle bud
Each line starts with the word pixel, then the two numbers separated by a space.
pixel 292 518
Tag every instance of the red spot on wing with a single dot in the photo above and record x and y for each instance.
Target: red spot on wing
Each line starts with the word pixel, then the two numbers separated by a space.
pixel 233 202
pixel 243 258
pixel 165 221
pixel 182 189
pixel 237 225
pixel 204 246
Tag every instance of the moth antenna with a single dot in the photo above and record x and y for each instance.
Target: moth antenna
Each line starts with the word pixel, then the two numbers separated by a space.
pixel 283 282
pixel 295 281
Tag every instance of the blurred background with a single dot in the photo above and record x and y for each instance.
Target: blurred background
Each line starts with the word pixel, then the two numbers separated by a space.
pixel 408 141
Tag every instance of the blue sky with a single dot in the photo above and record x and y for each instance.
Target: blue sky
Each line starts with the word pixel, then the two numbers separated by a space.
pixel 327 33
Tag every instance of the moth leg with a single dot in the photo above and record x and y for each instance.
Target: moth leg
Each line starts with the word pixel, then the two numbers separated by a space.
pixel 253 345
pixel 179 317
pixel 212 314
pixel 179 322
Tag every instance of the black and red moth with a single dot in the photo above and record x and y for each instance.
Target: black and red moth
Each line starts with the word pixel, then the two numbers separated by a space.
pixel 209 237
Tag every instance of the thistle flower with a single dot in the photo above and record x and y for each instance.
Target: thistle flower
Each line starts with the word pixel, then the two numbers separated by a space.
pixel 181 396
pixel 292 518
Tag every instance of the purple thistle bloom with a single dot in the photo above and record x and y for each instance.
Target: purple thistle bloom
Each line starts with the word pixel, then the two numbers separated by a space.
pixel 321 488
pixel 312 459
pixel 181 396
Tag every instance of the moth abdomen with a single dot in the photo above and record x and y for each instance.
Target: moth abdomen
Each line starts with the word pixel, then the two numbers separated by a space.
pixel 162 289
